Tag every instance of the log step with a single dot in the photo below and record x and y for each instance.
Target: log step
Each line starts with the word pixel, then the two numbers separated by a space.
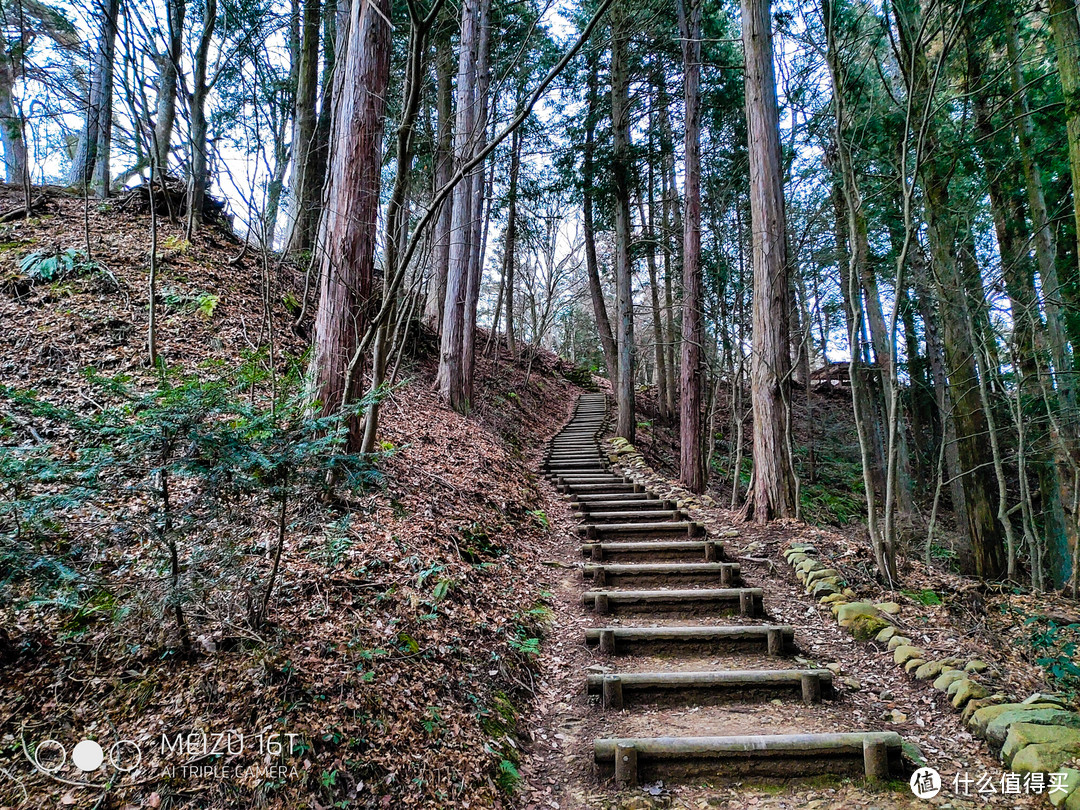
pixel 639 515
pixel 587 498
pixel 613 640
pixel 614 689
pixel 598 489
pixel 614 574
pixel 605 508
pixel 635 760
pixel 748 601
pixel 670 527
pixel 656 550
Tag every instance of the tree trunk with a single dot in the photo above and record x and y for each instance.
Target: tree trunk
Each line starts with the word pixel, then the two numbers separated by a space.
pixel 167 78
pixel 348 238
pixel 592 270
pixel 1066 26
pixel 480 192
pixel 955 286
pixel 692 473
pixel 450 380
pixel 672 217
pixel 305 196
pixel 199 169
pixel 444 169
pixel 91 162
pixel 509 259
pixel 622 166
pixel 773 495
pixel 11 125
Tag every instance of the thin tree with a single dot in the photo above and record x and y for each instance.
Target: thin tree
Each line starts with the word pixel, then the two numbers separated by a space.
pixel 773 494
pixel 692 473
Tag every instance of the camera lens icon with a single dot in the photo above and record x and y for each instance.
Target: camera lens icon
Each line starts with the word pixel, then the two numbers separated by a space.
pixel 87 756
pixel 51 756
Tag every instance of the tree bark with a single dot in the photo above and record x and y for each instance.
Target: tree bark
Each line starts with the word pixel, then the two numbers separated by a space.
pixel 444 169
pixel 1066 27
pixel 198 179
pixel 592 269
pixel 11 125
pixel 956 287
pixel 692 473
pixel 167 79
pixel 622 161
pixel 305 196
pixel 91 162
pixel 774 491
pixel 348 238
pixel 450 379
pixel 509 258
pixel 480 193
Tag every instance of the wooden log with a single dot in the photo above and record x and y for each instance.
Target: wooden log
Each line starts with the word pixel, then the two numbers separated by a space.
pixel 626 770
pixel 612 692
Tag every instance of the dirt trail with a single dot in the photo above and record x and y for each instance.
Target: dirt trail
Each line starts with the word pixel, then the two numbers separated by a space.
pixel 559 766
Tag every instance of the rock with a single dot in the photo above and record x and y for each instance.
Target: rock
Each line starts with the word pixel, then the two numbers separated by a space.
pixel 731 533
pixel 974 705
pixel 794 560
pixel 808 565
pixel 1044 758
pixel 847 613
pixel 797 548
pixel 885 634
pixel 976 666
pixel 1072 802
pixel 832 598
pixel 822 573
pixel 898 641
pixel 850 594
pixel 905 652
pixel 998 728
pixel 931 669
pixel 834 668
pixel 824 587
pixel 1038 697
pixel 852 683
pixel 968 690
pixel 1021 735
pixel 885 694
pixel 913 753
pixel 865 628
pixel 947 678
pixel 890 608
pixel 982 719
pixel 913 665
pixel 1069 784
pixel 894 716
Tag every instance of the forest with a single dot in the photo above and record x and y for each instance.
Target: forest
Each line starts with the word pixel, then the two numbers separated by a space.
pixel 307 301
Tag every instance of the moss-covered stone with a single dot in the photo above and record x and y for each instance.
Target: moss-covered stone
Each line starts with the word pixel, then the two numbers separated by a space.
pixel 821 573
pixel 913 664
pixel 905 652
pixel 888 608
pixel 947 679
pixel 1021 735
pixel 968 690
pixel 885 634
pixel 1069 784
pixel 847 613
pixel 899 641
pixel 982 718
pixel 865 628
pixel 998 728
pixel 931 669
pixel 824 587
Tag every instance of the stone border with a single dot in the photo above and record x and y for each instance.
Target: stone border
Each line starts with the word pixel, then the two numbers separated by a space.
pixel 1034 737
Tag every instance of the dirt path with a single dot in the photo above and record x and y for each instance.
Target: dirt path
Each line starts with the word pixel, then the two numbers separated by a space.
pixel 558 764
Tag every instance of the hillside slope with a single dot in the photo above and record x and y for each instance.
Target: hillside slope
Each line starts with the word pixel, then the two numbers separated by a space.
pixel 400 643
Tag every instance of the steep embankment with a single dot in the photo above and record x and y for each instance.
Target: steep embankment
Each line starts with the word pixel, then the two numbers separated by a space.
pixel 399 650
